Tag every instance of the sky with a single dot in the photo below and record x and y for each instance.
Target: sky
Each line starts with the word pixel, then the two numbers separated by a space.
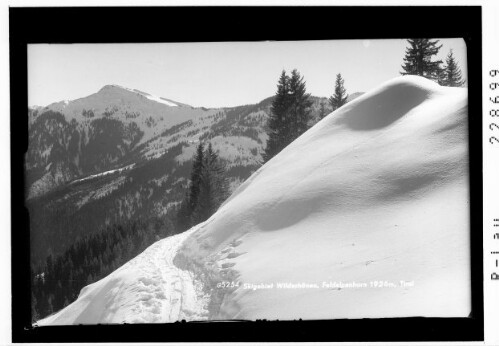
pixel 215 74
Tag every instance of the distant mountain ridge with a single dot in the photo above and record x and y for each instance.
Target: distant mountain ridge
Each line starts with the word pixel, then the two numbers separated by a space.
pixel 78 149
pixel 119 125
pixel 95 133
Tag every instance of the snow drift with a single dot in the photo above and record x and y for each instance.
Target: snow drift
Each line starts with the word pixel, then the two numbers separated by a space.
pixel 365 215
pixel 375 192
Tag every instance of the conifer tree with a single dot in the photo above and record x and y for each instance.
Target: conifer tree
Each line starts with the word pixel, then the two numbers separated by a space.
pixel 440 76
pixel 208 189
pixel 299 107
pixel 277 125
pixel 418 59
pixel 213 189
pixel 452 73
pixel 183 221
pixel 290 113
pixel 322 110
pixel 197 167
pixel 340 96
pixel 217 170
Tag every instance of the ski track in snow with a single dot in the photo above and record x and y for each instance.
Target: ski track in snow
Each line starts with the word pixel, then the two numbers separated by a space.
pixel 181 296
pixel 168 294
pixel 148 289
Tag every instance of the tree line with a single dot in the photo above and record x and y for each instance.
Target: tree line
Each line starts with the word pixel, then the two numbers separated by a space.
pixel 418 60
pixel 290 110
pixel 290 114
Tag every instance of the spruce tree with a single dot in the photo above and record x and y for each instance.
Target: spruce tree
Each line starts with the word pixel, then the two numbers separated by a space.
pixel 197 167
pixel 220 182
pixel 277 124
pixel 299 107
pixel 322 110
pixel 340 96
pixel 183 220
pixel 452 72
pixel 440 76
pixel 213 189
pixel 418 59
pixel 290 113
pixel 208 189
pixel 204 204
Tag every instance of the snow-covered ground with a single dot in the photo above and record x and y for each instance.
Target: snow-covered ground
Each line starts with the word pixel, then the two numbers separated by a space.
pixel 148 289
pixel 365 215
pixel 374 196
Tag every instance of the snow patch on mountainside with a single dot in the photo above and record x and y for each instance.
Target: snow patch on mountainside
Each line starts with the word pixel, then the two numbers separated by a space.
pixel 112 171
pixel 161 100
pixel 149 96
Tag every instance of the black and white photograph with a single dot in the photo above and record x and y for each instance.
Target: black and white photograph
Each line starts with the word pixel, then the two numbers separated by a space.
pixel 287 178
pixel 268 180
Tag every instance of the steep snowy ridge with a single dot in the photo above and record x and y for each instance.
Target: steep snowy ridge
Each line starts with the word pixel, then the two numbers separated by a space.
pixel 365 215
pixel 378 190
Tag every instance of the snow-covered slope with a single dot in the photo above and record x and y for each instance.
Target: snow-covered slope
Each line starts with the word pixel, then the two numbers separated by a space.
pixel 376 191
pixel 373 195
pixel 148 289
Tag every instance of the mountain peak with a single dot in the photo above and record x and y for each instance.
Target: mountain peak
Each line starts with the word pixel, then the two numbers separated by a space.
pixel 114 86
pixel 154 98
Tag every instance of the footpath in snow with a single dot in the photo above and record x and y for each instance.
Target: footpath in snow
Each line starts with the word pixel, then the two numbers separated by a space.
pixel 148 289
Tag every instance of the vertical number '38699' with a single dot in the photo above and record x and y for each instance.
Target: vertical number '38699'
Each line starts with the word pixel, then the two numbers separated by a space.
pixel 494 112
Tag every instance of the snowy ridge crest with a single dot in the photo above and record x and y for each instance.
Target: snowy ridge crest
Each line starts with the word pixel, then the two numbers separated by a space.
pixel 148 96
